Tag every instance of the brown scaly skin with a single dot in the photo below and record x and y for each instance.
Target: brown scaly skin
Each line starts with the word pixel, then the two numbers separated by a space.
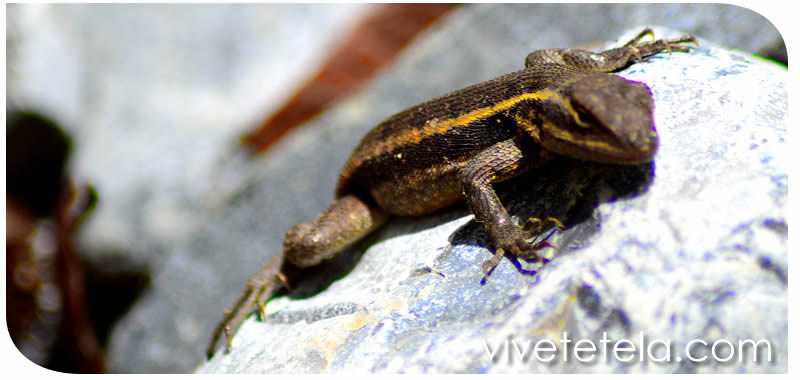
pixel 455 147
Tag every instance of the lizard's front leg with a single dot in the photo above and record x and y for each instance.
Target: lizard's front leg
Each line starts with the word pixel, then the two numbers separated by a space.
pixel 307 244
pixel 494 164
pixel 612 59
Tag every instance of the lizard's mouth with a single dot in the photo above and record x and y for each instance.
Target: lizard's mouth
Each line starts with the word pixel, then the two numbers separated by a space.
pixel 601 147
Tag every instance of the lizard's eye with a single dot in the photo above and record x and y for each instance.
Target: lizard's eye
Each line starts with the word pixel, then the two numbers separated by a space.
pixel 584 118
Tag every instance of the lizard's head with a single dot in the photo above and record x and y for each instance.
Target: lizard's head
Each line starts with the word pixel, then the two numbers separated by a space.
pixel 602 118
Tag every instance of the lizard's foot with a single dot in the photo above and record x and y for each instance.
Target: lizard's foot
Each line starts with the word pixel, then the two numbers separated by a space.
pixel 536 226
pixel 517 242
pixel 644 49
pixel 646 32
pixel 256 292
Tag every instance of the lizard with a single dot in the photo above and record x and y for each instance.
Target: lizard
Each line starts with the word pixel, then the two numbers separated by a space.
pixel 454 148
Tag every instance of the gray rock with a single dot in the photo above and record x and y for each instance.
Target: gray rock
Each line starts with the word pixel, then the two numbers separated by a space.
pixel 692 246
pixel 204 216
pixel 156 96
